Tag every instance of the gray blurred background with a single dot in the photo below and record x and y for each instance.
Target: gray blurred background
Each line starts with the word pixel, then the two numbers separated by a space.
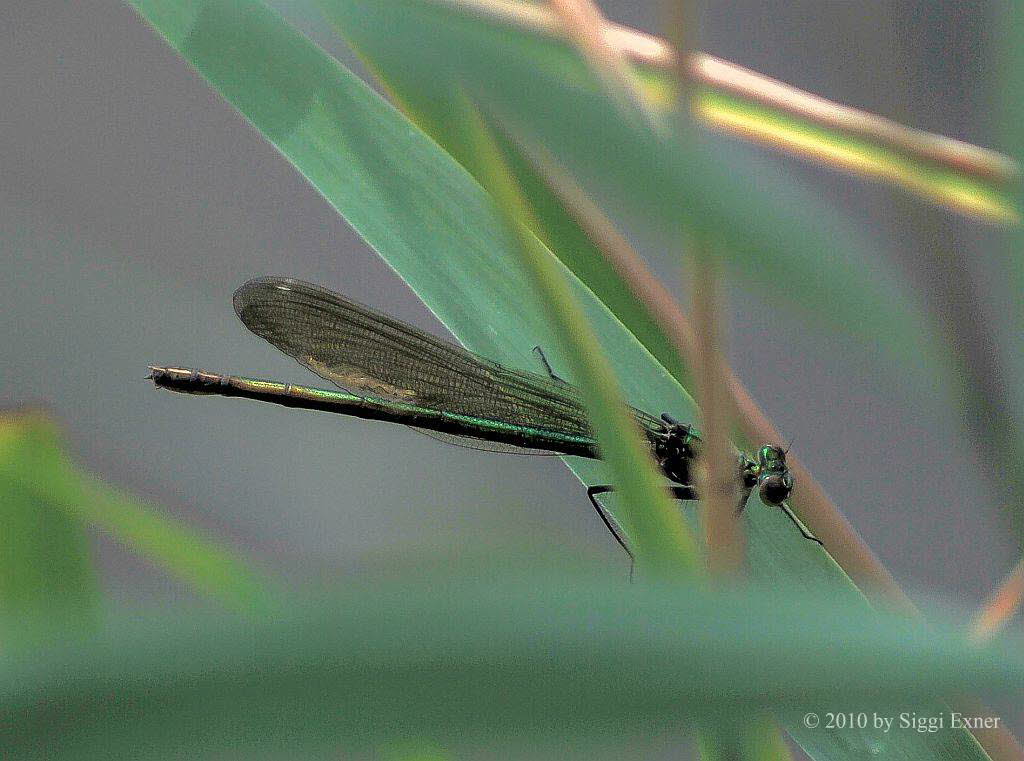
pixel 134 201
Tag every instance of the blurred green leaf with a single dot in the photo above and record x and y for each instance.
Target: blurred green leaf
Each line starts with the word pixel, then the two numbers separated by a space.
pixel 461 661
pixel 40 477
pixel 1009 63
pixel 570 243
pixel 46 570
pixel 550 222
pixel 436 227
pixel 659 540
pixel 775 234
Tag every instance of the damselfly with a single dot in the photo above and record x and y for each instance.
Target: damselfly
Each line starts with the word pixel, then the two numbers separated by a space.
pixel 391 371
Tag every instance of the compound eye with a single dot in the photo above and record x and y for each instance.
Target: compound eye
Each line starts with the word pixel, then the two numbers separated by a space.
pixel 774 490
pixel 770 455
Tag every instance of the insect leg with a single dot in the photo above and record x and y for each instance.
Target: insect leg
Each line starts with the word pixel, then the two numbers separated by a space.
pixel 685 492
pixel 678 492
pixel 803 531
pixel 611 524
pixel 743 501
pixel 547 365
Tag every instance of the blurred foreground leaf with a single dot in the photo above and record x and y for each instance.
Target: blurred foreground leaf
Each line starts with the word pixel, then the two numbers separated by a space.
pixel 43 491
pixel 470 663
pixel 775 235
pixel 1009 52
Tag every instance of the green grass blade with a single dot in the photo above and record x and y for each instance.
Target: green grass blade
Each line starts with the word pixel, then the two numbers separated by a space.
pixel 660 541
pixel 220 44
pixel 465 662
pixel 46 572
pixel 961 191
pixel 33 465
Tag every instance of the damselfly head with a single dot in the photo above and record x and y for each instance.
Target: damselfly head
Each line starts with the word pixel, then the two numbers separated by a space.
pixel 774 481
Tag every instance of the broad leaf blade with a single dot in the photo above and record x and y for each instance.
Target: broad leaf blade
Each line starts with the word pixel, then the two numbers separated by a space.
pixel 471 663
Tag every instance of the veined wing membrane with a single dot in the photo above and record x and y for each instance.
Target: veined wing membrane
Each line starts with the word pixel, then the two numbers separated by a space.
pixel 363 351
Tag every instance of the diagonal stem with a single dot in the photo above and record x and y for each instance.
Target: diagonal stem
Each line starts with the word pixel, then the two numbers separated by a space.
pixel 723 76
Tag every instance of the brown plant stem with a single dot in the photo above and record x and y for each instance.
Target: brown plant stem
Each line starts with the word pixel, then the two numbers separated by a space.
pixel 707 70
pixel 584 25
pixel 1001 605
pixel 717 483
